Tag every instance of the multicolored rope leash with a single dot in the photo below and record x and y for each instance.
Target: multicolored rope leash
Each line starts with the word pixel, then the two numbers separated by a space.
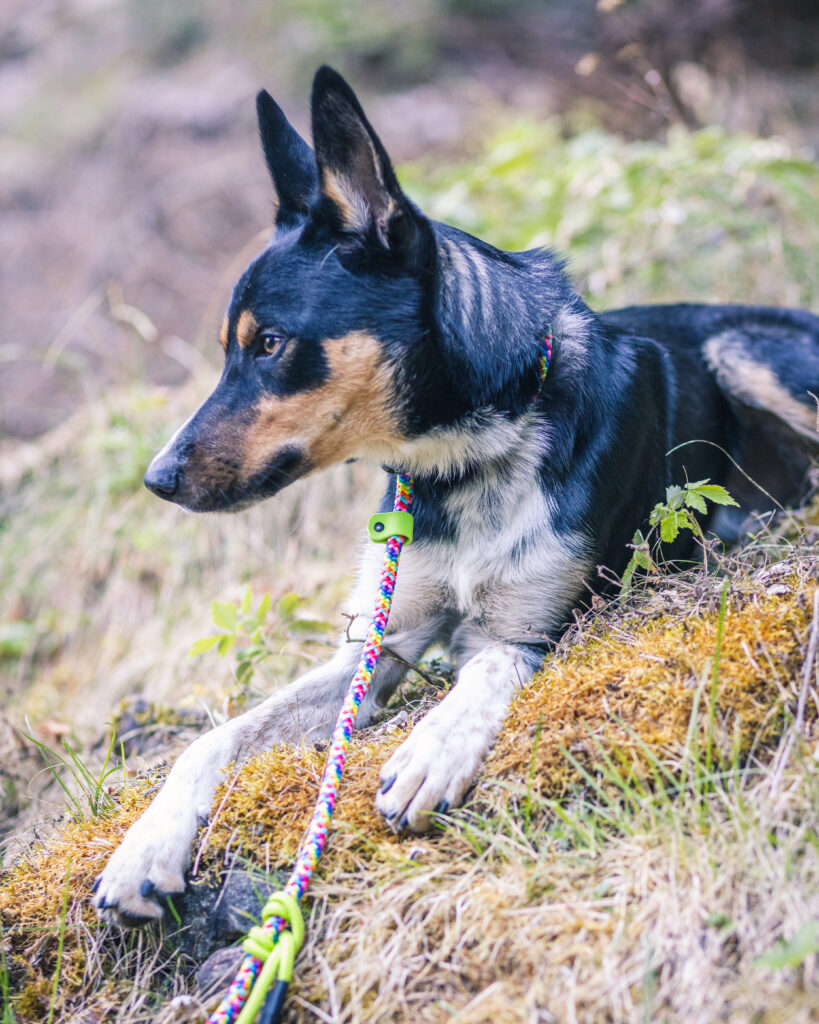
pixel 272 947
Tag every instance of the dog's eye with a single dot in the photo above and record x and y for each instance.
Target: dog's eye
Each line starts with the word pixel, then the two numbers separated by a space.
pixel 272 342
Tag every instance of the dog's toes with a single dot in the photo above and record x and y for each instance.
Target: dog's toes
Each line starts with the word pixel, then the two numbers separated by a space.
pixel 429 773
pixel 394 799
pixel 132 891
pixel 132 908
pixel 132 911
pixel 148 866
pixel 429 783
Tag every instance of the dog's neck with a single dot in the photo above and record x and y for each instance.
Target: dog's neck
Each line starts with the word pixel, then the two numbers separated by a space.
pixel 493 310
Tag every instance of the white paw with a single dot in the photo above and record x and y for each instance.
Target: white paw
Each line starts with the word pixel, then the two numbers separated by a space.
pixel 146 867
pixel 431 771
pixel 435 766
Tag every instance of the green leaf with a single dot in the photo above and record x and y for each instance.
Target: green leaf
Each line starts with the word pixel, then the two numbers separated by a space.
pixel 674 496
pixel 671 525
pixel 205 644
pixel 717 919
pixel 696 484
pixel 717 494
pixel 224 614
pixel 626 578
pixel 310 626
pixel 246 598
pixel 695 500
pixel 641 556
pixel 792 952
pixel 226 641
pixel 263 609
pixel 244 672
pixel 16 638
pixel 287 605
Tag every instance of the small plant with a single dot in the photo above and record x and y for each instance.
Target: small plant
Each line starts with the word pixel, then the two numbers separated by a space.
pixel 90 792
pixel 794 951
pixel 669 518
pixel 245 628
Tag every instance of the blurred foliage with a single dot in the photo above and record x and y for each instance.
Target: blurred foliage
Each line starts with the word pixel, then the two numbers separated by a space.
pixel 401 39
pixel 705 217
pixel 258 640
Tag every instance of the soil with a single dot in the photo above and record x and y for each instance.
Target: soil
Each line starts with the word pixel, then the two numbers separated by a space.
pixel 131 189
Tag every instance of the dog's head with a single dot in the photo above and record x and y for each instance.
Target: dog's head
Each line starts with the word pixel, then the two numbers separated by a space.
pixel 320 325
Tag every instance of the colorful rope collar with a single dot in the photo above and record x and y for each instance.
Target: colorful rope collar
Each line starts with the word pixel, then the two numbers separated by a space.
pixel 272 947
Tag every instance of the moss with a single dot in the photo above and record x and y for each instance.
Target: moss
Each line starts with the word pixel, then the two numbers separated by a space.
pixel 34 999
pixel 628 685
pixel 621 690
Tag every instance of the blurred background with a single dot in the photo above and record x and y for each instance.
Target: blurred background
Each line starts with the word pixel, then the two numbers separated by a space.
pixel 132 188
pixel 668 147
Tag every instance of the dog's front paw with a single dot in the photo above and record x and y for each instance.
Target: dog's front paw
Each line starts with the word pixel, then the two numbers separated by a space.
pixel 148 866
pixel 430 772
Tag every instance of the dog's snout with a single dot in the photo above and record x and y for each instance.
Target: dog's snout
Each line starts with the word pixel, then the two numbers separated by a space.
pixel 162 477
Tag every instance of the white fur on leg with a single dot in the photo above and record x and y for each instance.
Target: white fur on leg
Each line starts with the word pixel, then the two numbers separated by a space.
pixel 439 760
pixel 156 850
pixel 152 858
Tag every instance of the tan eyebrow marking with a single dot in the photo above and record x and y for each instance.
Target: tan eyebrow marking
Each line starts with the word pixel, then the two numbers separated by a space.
pixel 223 334
pixel 246 328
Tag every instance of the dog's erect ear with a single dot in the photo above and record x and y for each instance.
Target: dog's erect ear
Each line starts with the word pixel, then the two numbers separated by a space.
pixel 289 160
pixel 357 184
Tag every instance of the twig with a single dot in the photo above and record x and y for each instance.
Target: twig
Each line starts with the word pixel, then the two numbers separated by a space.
pixel 212 822
pixel 804 686
pixel 389 651
pixel 350 620
pixel 807 667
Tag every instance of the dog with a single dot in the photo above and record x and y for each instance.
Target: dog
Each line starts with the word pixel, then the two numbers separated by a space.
pixel 367 331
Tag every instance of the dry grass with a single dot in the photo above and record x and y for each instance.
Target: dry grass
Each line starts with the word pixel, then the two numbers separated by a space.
pixel 604 870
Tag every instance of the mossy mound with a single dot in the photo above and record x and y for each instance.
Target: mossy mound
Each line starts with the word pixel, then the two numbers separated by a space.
pixel 625 689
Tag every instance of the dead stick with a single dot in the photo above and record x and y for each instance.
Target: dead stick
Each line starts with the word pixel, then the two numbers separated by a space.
pixel 807 668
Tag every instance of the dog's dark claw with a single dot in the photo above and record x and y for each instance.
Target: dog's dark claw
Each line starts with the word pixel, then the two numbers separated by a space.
pixel 441 807
pixel 402 822
pixel 147 888
pixel 96 884
pixel 387 785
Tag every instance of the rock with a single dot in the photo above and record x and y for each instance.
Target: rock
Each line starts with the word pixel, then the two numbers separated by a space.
pixel 216 916
pixel 218 971
pixel 182 1010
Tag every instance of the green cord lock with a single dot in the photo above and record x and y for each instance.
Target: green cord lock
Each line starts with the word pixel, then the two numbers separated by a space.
pixel 278 955
pixel 384 525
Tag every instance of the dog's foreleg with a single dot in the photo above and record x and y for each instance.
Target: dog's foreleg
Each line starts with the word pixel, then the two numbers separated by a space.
pixel 435 766
pixel 152 858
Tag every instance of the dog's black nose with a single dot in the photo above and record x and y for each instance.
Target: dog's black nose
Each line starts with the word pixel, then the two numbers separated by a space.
pixel 163 478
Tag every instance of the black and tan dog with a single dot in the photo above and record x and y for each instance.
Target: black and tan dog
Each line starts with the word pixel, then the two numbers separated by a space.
pixel 367 331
